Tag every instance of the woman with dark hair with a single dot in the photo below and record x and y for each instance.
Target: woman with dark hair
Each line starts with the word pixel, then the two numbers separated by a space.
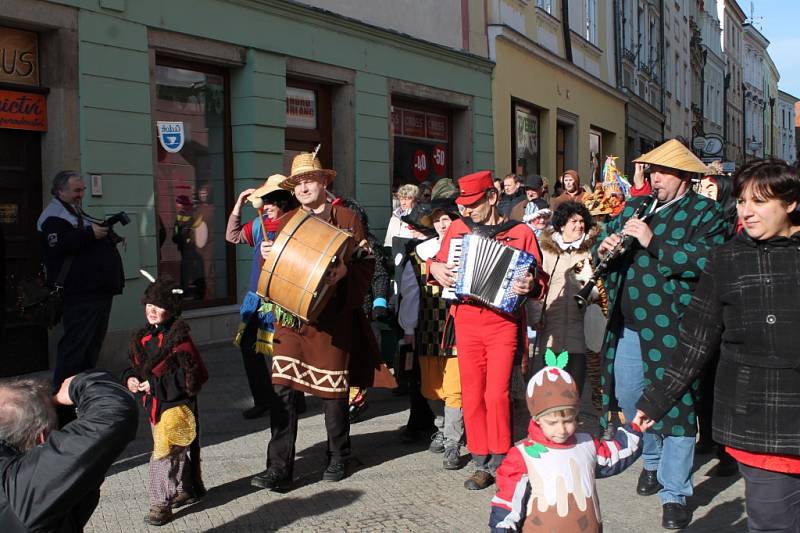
pixel 559 323
pixel 256 328
pixel 745 304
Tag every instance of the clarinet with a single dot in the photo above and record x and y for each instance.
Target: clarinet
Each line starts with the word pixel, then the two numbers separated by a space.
pixel 601 269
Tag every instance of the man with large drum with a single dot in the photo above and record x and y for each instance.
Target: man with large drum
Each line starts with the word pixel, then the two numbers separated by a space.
pixel 318 357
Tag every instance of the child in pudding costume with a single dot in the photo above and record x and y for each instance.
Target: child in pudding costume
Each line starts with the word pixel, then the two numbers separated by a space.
pixel 546 482
pixel 166 374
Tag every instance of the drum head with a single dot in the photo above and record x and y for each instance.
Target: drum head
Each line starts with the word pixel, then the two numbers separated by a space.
pixel 594 327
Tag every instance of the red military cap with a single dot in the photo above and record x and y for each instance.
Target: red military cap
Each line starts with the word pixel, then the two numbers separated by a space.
pixel 472 186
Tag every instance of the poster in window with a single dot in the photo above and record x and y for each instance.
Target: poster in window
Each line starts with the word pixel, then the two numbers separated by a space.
pixel 436 126
pixel 301 108
pixel 527 133
pixel 413 123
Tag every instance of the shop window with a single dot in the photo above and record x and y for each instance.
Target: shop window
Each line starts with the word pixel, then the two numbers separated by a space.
pixel 194 180
pixel 422 147
pixel 525 149
pixel 308 122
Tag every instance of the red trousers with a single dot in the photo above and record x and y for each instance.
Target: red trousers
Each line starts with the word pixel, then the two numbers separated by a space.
pixel 486 342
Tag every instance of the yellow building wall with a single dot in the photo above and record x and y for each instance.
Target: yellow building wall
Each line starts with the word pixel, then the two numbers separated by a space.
pixel 521 75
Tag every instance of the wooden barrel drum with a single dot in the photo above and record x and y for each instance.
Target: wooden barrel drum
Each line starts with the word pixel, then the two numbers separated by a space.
pixel 293 274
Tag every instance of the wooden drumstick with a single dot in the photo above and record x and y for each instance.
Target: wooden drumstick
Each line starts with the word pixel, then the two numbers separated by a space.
pixel 263 225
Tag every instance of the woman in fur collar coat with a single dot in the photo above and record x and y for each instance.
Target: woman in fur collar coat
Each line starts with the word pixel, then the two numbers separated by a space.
pixel 566 248
pixel 166 374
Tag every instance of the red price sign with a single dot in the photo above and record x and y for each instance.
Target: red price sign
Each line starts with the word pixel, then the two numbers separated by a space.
pixel 439 160
pixel 420 165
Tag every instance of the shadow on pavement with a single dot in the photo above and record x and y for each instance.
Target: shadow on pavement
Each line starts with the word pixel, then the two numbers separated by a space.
pixel 715 519
pixel 283 512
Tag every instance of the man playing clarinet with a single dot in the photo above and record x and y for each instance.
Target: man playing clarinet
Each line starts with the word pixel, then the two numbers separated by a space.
pixel 486 340
pixel 649 286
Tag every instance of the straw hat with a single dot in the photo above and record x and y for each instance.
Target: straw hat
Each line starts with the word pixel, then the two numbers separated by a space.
pixel 272 184
pixel 673 154
pixel 306 165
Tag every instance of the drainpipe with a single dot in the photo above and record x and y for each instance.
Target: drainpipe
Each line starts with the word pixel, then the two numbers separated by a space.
pixel 725 85
pixel 565 30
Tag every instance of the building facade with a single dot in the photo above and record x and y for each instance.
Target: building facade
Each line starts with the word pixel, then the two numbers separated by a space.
pixel 678 100
pixel 732 18
pixel 786 143
pixel 643 74
pixel 771 126
pixel 556 105
pixel 170 113
pixel 755 98
pixel 713 74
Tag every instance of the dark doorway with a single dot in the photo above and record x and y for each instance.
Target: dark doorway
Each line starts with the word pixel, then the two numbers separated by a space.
pixel 24 343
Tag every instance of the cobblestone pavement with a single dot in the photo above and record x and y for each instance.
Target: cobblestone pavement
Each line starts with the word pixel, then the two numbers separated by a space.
pixel 394 487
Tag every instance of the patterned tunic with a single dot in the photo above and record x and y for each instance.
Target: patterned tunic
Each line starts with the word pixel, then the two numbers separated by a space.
pixel 656 284
pixel 433 311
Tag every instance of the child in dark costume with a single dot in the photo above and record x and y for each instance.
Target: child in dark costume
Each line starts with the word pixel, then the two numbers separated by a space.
pixel 166 374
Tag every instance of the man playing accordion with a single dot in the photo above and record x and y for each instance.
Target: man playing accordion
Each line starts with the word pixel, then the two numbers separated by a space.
pixel 486 340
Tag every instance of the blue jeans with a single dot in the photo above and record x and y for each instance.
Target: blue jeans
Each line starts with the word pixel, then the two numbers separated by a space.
pixel 673 457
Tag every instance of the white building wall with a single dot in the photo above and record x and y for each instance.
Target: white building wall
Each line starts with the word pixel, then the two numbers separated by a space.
pixel 785 117
pixel 678 105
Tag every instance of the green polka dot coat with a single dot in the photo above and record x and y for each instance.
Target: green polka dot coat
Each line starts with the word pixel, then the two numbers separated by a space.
pixel 658 281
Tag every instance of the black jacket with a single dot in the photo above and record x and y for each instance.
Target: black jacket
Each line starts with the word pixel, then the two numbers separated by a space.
pixel 55 486
pixel 96 270
pixel 745 303
pixel 507 202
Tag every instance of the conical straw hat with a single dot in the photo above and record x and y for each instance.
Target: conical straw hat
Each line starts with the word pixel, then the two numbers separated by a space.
pixel 272 184
pixel 673 154
pixel 306 164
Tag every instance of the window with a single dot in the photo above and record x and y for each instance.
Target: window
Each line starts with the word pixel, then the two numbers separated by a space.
pixel 193 178
pixel 677 78
pixel 422 147
pixel 308 122
pixel 547 5
pixel 525 150
pixel 595 156
pixel 591 20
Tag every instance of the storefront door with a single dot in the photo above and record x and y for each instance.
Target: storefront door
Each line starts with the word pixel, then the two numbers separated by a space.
pixel 308 122
pixel 24 343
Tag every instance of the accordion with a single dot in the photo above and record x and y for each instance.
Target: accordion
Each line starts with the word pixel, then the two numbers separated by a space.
pixel 486 273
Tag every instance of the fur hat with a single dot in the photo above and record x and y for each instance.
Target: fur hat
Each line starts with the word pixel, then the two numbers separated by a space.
pixel 552 387
pixel 163 292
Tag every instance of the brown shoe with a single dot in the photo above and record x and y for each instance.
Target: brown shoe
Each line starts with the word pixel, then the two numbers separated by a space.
pixel 183 498
pixel 479 480
pixel 158 516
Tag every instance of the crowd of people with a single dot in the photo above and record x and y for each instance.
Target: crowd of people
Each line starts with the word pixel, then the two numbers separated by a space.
pixel 695 309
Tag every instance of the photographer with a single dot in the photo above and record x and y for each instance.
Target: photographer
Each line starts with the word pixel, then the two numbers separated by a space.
pixel 84 255
pixel 50 480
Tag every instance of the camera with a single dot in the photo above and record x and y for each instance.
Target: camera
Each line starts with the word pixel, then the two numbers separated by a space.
pixel 121 217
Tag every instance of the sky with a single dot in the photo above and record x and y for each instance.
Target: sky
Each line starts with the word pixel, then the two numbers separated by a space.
pixel 777 20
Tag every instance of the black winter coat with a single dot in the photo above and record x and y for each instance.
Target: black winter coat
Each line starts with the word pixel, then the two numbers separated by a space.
pixel 55 486
pixel 745 303
pixel 96 270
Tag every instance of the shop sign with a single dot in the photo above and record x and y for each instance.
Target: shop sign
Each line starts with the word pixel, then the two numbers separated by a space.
pixel 301 108
pixel 8 213
pixel 439 160
pixel 23 111
pixel 413 123
pixel 19 57
pixel 420 165
pixel 527 133
pixel 171 135
pixel 436 127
